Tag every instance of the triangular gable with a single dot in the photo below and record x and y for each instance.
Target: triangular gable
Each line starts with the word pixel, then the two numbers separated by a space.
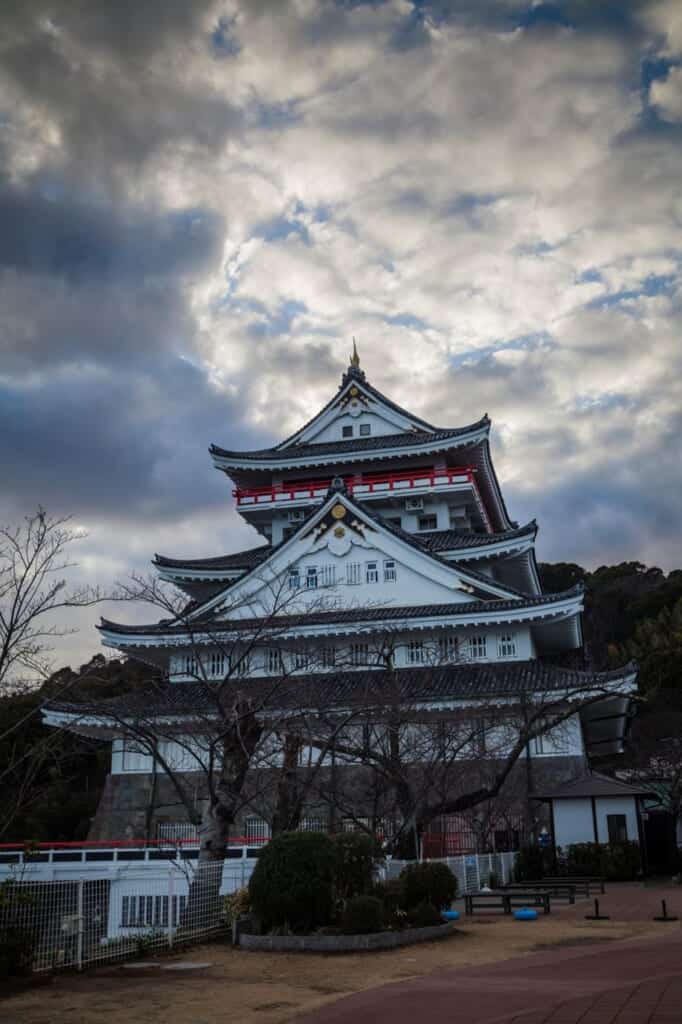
pixel 357 401
pixel 329 534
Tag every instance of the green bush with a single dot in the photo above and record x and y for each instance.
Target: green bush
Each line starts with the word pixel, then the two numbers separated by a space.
pixel 428 882
pixel 425 915
pixel 617 862
pixel 292 883
pixel 363 914
pixel 355 857
pixel 390 893
pixel 16 951
pixel 532 863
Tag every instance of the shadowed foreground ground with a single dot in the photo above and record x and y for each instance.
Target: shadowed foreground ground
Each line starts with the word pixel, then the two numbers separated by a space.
pixel 452 980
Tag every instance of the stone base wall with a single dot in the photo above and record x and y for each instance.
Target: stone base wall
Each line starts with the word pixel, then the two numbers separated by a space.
pixel 134 804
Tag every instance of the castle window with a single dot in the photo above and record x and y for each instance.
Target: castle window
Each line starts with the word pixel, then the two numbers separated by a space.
pixel 311 577
pixel 239 664
pixel 359 654
pixel 416 654
pixel 301 660
pixel 448 648
pixel 365 429
pixel 328 575
pixel 217 664
pixel 478 647
pixel 389 571
pixel 372 572
pixel 328 657
pixel 427 523
pixel 506 645
pixel 191 665
pixel 354 572
pixel 294 579
pixel 256 830
pixel 274 661
pixel 347 431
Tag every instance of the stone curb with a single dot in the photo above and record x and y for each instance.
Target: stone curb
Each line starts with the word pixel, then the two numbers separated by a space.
pixel 342 943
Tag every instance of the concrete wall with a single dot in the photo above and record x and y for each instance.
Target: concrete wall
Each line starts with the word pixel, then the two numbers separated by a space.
pixel 574 820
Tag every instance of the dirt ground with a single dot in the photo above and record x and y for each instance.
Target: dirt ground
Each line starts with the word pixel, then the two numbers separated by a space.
pixel 271 988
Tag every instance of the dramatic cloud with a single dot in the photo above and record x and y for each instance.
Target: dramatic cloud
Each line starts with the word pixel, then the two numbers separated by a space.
pixel 201 203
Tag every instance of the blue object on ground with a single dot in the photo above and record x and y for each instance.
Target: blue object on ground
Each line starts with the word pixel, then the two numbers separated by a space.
pixel 525 914
pixel 450 915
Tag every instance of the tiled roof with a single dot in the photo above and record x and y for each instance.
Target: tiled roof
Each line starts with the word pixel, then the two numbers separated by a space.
pixel 367 687
pixel 343 615
pixel 595 784
pixel 357 444
pixel 238 560
pixel 456 540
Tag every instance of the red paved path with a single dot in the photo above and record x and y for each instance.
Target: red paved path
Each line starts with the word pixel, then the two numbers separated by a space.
pixel 612 983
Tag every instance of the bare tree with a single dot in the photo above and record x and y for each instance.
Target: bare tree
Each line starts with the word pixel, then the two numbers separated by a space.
pixel 34 593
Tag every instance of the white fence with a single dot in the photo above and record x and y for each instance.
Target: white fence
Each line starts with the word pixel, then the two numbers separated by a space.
pixel 138 907
pixel 471 871
pixel 91 920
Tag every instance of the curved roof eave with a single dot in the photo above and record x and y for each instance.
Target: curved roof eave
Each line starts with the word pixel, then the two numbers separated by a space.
pixel 358 449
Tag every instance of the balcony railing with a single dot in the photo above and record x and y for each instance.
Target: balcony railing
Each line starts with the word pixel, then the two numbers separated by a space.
pixel 362 486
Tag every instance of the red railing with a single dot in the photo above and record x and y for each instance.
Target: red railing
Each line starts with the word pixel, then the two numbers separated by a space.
pixel 310 488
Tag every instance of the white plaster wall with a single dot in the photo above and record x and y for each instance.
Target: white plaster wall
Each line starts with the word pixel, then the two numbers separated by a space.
pixel 616 805
pixel 379 427
pixel 573 821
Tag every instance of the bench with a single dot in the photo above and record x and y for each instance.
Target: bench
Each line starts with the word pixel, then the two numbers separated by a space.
pixel 586 886
pixel 502 899
pixel 557 891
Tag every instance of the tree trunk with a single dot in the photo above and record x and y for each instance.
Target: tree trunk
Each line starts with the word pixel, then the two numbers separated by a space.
pixel 289 806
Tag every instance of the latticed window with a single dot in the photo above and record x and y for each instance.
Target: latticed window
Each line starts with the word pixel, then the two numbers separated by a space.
pixel 478 647
pixel 191 665
pixel 448 648
pixel 301 660
pixel 274 661
pixel 389 571
pixel 354 572
pixel 327 575
pixel 311 577
pixel 359 654
pixel 312 824
pixel 415 652
pixel 217 664
pixel 239 664
pixel 372 572
pixel 328 657
pixel 506 645
pixel 294 579
pixel 256 830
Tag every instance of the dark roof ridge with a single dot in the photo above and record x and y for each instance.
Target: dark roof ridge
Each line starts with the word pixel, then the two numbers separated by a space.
pixel 341 615
pixel 405 439
pixel 454 681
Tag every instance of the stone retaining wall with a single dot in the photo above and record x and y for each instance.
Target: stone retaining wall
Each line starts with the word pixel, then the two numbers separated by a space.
pixel 343 943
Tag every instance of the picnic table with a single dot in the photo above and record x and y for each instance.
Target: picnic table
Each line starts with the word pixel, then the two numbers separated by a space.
pixel 587 884
pixel 504 900
pixel 557 890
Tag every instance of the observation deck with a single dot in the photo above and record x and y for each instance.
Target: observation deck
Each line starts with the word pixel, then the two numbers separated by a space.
pixel 380 487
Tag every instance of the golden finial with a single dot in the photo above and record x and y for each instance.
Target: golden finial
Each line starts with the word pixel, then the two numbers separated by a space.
pixel 355 358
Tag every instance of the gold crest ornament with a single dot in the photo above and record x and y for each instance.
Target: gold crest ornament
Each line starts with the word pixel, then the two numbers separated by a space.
pixel 354 392
pixel 339 532
pixel 339 511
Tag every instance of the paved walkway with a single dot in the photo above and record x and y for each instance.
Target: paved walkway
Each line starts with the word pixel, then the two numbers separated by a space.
pixel 629 982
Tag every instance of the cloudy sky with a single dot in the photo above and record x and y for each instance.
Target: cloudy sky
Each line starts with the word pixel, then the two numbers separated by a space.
pixel 200 204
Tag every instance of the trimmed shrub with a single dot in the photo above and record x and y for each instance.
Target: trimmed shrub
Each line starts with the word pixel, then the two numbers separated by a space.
pixel 617 862
pixel 292 883
pixel 428 882
pixel 363 914
pixel 355 858
pixel 16 951
pixel 390 893
pixel 425 915
pixel 532 863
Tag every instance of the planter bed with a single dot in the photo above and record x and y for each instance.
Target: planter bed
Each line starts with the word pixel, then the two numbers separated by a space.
pixel 343 943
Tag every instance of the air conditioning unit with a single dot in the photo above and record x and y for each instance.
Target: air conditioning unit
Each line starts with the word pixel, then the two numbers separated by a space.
pixel 414 504
pixel 296 515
